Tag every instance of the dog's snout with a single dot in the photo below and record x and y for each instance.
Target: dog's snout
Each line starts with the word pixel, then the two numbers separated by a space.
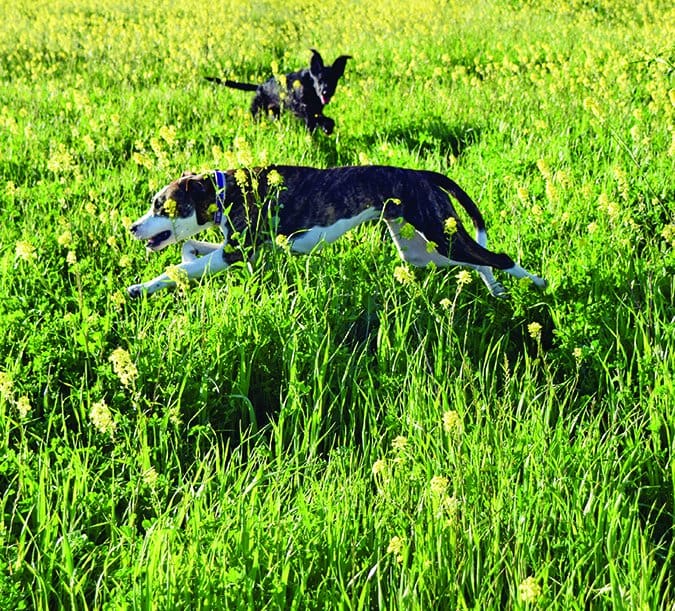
pixel 134 228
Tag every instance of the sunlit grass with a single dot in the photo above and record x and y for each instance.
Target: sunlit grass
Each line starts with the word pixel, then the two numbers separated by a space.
pixel 339 430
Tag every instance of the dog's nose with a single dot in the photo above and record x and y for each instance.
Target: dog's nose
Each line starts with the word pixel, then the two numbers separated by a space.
pixel 134 228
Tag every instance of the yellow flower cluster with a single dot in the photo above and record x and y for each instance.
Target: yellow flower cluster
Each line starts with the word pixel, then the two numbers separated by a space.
pixel 534 330
pixel 439 484
pixel 6 386
pixel 452 422
pixel 450 225
pixel 102 419
pixel 123 366
pixel 396 547
pixel 668 234
pixel 404 275
pixel 171 208
pixel 274 179
pixel 179 276
pixel 463 277
pixel 25 251
pixel 529 590
pixel 21 404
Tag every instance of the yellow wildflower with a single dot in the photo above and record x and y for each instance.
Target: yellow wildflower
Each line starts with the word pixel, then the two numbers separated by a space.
pixel 445 303
pixel 241 177
pixel 123 366
pixel 25 251
pixel 65 239
pixel 23 406
pixel 668 234
pixel 463 277
pixel 395 547
pixel 534 329
pixel 171 208
pixel 71 258
pixel 450 225
pixel 179 276
pixel 282 241
pixel 439 484
pixel 448 508
pixel 6 386
pixel 61 161
pixel 150 477
pixel 168 134
pixel 404 275
pixel 379 466
pixel 102 419
pixel 399 443
pixel 452 423
pixel 274 179
pixel 529 590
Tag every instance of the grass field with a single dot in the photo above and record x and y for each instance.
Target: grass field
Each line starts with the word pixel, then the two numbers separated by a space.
pixel 339 431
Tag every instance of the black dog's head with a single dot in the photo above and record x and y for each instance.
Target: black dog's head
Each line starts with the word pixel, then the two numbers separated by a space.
pixel 325 78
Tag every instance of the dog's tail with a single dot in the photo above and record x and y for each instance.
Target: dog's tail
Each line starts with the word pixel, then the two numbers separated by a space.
pixel 232 84
pixel 452 188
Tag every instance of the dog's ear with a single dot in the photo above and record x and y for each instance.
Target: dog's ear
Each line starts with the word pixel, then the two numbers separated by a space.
pixel 316 63
pixel 194 183
pixel 338 66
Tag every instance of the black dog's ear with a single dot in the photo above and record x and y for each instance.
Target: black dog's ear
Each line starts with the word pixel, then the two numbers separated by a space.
pixel 316 63
pixel 339 64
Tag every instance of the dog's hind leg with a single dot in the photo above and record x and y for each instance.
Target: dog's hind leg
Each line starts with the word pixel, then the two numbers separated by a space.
pixel 519 272
pixel 415 249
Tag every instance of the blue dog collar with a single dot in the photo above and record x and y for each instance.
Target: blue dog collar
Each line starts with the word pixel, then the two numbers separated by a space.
pixel 220 196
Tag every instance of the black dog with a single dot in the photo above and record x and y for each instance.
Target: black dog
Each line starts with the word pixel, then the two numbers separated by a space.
pixel 305 94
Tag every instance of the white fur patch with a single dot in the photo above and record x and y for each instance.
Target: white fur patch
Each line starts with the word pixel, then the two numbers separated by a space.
pixel 315 237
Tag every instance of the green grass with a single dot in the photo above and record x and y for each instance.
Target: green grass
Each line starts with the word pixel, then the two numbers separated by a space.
pixel 310 432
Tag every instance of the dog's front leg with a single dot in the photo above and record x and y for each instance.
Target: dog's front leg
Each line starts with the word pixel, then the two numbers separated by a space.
pixel 193 249
pixel 211 263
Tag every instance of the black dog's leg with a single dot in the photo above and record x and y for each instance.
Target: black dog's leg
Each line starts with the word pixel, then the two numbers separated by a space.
pixel 326 123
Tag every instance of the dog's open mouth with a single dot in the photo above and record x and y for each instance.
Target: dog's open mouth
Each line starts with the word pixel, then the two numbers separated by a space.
pixel 155 242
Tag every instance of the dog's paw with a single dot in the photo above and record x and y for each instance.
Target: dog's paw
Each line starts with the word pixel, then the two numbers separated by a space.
pixel 540 283
pixel 497 290
pixel 327 125
pixel 136 290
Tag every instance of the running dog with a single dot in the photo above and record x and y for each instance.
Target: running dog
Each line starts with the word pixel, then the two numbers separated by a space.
pixel 307 208
pixel 305 93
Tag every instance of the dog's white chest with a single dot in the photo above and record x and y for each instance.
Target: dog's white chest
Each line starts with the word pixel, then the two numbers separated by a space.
pixel 315 237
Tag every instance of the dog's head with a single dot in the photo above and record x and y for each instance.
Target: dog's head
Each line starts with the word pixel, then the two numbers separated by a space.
pixel 325 78
pixel 181 209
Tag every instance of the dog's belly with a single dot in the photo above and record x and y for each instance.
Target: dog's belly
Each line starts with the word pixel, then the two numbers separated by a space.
pixel 314 238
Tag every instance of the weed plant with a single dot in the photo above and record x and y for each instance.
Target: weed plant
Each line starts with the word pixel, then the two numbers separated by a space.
pixel 339 431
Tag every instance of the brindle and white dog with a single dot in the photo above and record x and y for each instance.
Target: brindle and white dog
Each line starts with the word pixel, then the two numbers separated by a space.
pixel 311 207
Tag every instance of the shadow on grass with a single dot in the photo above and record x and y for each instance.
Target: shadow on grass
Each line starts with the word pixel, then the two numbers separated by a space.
pixel 428 137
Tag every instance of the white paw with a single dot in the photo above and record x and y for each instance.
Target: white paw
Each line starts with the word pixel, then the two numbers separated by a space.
pixel 498 290
pixel 136 290
pixel 539 282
